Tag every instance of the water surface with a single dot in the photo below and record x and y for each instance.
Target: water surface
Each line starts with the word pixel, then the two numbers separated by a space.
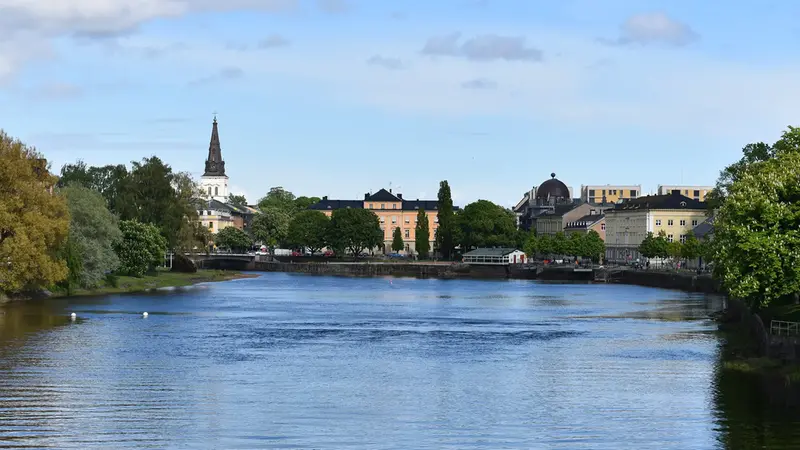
pixel 294 361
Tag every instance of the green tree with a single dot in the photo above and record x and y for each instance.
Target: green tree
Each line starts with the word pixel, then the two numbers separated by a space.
pixel 33 222
pixel 309 229
pixel 397 240
pixel 111 181
pixel 531 246
pixel 576 245
pixel 93 232
pixel 301 203
pixel 278 198
pixel 141 249
pixel 594 246
pixel 647 246
pixel 691 247
pixel 674 251
pixel 545 245
pixel 446 232
pixel 756 244
pixel 238 201
pixel 271 226
pixel 485 224
pixel 661 245
pixel 72 257
pixel 233 239
pixel 422 234
pixel 355 230
pixel 560 245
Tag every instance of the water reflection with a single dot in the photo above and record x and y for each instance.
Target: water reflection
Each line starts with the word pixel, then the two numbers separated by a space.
pixel 312 362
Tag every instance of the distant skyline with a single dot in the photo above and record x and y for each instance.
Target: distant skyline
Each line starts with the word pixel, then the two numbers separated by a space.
pixel 342 97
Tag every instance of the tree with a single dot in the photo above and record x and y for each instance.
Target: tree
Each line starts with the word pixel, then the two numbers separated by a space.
pixel 238 201
pixel 355 230
pixel 397 240
pixel 271 226
pixel 485 224
pixel 756 244
pixel 33 222
pixel 690 248
pixel 278 198
pixel 544 244
pixel 674 250
pixel 559 244
pixel 309 229
pixel 446 233
pixel 111 181
pixel 531 246
pixel 233 239
pixel 141 249
pixel 72 257
pixel 93 232
pixel 594 245
pixel 576 245
pixel 647 246
pixel 422 234
pixel 301 203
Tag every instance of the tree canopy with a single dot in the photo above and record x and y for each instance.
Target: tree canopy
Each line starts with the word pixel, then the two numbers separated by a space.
pixel 355 230
pixel 278 198
pixel 271 226
pixel 756 243
pixel 33 222
pixel 397 240
pixel 93 232
pixel 141 249
pixel 422 234
pixel 233 239
pixel 654 246
pixel 237 200
pixel 485 224
pixel 446 232
pixel 309 229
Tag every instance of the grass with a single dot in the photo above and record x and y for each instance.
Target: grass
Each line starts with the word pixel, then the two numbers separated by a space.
pixel 162 279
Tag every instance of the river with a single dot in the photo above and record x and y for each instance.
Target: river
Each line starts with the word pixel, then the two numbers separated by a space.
pixel 295 361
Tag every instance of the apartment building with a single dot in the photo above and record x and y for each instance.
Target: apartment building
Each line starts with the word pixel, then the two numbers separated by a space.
pixel 609 193
pixel 628 223
pixel 694 192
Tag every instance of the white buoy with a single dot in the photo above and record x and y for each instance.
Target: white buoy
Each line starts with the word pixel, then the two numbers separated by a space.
pixel 73 316
pixel 144 314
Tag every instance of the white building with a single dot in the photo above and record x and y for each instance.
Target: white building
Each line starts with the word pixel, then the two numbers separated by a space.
pixel 214 182
pixel 494 256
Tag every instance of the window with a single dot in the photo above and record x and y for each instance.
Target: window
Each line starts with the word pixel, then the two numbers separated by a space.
pixel 696 193
pixel 407 220
pixel 394 205
pixel 436 219
pixel 670 223
pixel 694 222
pixel 633 193
pixel 209 190
pixel 658 222
pixel 683 238
pixel 408 233
pixel 383 219
pixel 591 193
pixel 371 206
pixel 383 205
pixel 210 225
pixel 394 219
pixel 208 213
pixel 683 222
pixel 604 192
pixel 216 191
pixel 669 238
pixel 603 226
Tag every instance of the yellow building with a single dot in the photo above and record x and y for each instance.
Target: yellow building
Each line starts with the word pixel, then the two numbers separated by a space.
pixel 393 211
pixel 628 223
pixel 694 192
pixel 609 193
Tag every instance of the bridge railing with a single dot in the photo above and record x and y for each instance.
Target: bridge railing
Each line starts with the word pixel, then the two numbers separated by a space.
pixel 783 328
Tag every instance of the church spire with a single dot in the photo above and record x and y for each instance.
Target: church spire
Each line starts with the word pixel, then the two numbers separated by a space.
pixel 215 166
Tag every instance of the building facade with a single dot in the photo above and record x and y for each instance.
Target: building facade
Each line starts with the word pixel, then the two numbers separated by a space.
pixel 494 256
pixel 609 193
pixel 551 195
pixel 592 222
pixel 556 220
pixel 214 182
pixel 694 192
pixel 393 211
pixel 628 223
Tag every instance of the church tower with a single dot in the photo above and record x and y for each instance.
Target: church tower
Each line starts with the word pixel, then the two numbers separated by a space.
pixel 214 182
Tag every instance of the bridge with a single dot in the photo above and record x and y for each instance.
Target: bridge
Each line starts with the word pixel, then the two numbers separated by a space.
pixel 229 261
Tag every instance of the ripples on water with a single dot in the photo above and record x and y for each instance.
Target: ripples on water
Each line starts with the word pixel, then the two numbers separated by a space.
pixel 289 361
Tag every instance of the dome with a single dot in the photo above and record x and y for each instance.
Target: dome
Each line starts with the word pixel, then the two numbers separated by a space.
pixel 552 189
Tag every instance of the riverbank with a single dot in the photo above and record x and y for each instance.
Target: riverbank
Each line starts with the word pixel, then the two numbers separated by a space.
pixel 162 279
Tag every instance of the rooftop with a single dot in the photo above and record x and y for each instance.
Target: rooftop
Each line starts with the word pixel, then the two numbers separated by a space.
pixel 666 201
pixel 494 251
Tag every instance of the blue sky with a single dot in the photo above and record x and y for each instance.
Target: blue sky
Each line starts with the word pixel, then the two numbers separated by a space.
pixel 341 97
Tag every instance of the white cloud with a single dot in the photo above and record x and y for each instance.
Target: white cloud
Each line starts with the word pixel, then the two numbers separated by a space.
pixel 654 27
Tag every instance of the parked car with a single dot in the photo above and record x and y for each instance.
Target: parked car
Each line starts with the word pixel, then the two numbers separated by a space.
pixel 296 253
pixel 328 253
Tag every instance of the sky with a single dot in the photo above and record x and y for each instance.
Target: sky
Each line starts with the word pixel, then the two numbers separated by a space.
pixel 344 97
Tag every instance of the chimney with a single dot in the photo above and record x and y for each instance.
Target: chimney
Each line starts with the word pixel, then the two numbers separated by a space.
pixel 325 198
pixel 366 196
pixel 390 190
pixel 400 196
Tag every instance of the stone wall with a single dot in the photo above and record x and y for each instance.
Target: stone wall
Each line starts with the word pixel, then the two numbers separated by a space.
pixel 671 280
